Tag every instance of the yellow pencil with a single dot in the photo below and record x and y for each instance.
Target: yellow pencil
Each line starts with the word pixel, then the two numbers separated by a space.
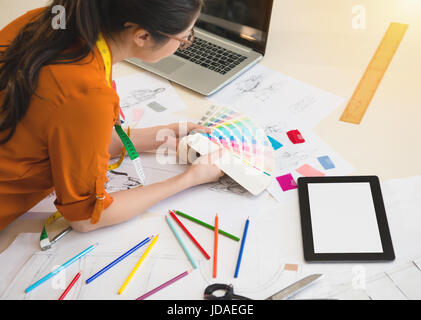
pixel 129 278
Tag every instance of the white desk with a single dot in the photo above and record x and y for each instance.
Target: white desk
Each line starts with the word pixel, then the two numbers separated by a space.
pixel 314 41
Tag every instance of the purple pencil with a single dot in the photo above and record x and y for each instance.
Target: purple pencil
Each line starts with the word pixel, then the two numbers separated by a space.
pixel 166 284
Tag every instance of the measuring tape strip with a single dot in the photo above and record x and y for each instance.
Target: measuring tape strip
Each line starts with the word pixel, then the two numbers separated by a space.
pixel 122 157
pixel 45 242
pixel 131 150
pixel 364 94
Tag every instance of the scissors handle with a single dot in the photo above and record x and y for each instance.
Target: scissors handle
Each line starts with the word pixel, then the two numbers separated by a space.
pixel 229 293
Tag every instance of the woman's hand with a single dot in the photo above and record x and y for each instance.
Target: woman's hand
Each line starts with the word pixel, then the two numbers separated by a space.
pixel 182 129
pixel 204 170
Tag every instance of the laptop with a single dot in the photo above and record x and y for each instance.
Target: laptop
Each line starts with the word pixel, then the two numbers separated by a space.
pixel 230 37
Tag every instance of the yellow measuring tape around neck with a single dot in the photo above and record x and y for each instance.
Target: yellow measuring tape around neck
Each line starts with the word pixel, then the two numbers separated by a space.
pixel 360 101
pixel 128 145
pixel 106 57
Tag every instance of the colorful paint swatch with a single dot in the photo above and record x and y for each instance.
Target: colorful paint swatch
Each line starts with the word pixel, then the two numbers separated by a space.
pixel 296 137
pixel 308 171
pixel 238 134
pixel 287 182
pixel 275 144
pixel 326 162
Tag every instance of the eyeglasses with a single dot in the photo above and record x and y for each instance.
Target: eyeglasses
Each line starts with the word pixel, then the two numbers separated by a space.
pixel 184 43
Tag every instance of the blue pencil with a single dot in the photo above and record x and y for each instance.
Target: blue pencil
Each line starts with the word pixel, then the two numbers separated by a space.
pixel 243 241
pixel 193 262
pixel 112 264
pixel 56 271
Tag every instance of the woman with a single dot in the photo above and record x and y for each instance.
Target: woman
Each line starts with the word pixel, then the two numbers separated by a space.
pixel 58 110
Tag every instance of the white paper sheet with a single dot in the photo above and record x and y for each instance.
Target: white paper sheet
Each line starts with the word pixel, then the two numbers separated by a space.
pixel 263 264
pixel 261 274
pixel 148 100
pixel 15 257
pixel 292 156
pixel 264 94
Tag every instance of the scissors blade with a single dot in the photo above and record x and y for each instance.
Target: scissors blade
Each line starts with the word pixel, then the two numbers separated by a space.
pixel 295 287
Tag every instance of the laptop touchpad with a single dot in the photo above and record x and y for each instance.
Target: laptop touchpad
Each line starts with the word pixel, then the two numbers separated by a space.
pixel 168 65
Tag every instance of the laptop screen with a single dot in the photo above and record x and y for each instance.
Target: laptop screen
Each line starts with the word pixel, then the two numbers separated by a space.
pixel 242 21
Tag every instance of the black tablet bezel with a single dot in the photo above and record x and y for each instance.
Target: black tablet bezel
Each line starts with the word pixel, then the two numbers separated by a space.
pixel 307 230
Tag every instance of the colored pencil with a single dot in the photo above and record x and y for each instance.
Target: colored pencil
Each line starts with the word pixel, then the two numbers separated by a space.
pixel 70 286
pixel 129 278
pixel 59 269
pixel 215 254
pixel 180 241
pixel 190 235
pixel 112 264
pixel 243 242
pixel 208 226
pixel 166 284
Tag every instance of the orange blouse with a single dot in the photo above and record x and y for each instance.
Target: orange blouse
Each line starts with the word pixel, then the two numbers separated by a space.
pixel 62 142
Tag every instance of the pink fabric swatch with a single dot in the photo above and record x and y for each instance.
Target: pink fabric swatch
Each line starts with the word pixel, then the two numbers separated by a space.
pixel 287 182
pixel 138 114
pixel 308 171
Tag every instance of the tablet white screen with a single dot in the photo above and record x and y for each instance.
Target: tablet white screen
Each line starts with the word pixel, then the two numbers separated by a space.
pixel 343 218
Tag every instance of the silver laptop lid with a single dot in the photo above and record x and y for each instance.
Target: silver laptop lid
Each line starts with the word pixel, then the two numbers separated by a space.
pixel 243 21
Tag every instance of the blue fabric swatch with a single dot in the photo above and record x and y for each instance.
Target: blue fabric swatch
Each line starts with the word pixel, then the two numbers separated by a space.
pixel 326 162
pixel 275 144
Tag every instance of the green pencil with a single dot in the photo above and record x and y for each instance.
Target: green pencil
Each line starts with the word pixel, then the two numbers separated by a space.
pixel 226 234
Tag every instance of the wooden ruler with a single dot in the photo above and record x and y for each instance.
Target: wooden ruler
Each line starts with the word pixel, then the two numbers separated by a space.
pixel 360 101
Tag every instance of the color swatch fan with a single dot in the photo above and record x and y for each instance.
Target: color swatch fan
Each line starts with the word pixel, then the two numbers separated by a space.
pixel 249 159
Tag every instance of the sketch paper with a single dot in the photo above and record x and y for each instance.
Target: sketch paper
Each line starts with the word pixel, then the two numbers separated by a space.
pixel 300 160
pixel 166 260
pixel 264 265
pixel 16 256
pixel 264 93
pixel 401 282
pixel 148 100
pixel 288 109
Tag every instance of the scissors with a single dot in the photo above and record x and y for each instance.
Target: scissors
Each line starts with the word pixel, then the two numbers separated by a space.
pixel 281 295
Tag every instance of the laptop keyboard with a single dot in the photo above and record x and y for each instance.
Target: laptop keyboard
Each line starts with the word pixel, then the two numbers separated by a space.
pixel 211 56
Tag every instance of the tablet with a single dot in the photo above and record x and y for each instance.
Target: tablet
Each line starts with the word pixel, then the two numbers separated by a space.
pixel 344 219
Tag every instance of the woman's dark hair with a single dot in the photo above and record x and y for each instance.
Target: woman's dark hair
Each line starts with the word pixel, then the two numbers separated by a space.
pixel 39 44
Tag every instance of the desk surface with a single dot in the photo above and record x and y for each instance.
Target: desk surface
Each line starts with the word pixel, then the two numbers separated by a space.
pixel 315 42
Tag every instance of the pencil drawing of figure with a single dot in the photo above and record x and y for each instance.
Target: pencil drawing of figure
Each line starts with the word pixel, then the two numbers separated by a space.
pixel 227 184
pixel 267 93
pixel 250 84
pixel 303 105
pixel 288 159
pixel 254 86
pixel 138 96
pixel 120 181
pixel 276 129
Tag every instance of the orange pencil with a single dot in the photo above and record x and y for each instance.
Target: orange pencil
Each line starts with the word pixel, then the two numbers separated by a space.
pixel 215 254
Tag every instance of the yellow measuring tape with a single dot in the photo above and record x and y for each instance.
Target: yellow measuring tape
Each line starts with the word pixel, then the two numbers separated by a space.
pixel 106 56
pixel 45 242
pixel 360 101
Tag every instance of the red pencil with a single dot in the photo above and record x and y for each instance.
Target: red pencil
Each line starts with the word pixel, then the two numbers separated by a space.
pixel 190 235
pixel 70 286
pixel 215 255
